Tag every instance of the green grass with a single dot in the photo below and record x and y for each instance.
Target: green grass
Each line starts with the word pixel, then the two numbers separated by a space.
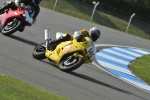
pixel 13 89
pixel 141 68
pixel 119 24
pixel 83 11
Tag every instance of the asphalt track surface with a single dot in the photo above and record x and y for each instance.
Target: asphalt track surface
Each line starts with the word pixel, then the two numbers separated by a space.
pixel 87 82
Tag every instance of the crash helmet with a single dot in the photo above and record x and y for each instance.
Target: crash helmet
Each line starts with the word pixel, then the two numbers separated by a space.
pixel 78 36
pixel 36 2
pixel 94 33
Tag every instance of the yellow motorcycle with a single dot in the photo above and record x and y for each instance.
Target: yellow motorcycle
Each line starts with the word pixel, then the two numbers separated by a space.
pixel 68 55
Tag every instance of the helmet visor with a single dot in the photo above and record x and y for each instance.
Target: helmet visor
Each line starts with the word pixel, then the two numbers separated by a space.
pixel 94 37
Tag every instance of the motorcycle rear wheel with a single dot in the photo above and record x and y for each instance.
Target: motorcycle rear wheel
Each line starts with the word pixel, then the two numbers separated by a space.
pixel 39 51
pixel 8 30
pixel 67 66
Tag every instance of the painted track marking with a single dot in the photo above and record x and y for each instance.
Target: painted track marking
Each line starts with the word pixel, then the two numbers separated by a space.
pixel 116 60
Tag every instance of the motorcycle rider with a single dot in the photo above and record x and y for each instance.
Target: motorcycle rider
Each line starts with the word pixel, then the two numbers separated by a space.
pixel 94 33
pixel 18 3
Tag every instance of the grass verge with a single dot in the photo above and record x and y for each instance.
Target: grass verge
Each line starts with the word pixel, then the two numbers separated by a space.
pixel 83 11
pixel 13 89
pixel 141 68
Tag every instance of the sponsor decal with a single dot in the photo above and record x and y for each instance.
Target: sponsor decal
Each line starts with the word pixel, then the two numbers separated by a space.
pixel 67 49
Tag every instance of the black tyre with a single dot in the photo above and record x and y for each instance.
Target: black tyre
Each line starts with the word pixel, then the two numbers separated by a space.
pixel 10 29
pixel 39 51
pixel 70 63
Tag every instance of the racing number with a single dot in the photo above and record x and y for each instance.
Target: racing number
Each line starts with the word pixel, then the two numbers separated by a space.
pixel 91 52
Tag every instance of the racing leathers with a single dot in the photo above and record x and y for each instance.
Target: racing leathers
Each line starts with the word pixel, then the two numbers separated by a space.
pixel 78 35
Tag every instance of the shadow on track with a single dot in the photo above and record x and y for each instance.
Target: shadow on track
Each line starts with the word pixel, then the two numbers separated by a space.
pixel 101 83
pixel 23 40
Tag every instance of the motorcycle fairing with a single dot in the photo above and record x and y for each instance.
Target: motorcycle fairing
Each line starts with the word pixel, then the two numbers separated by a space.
pixel 11 14
pixel 90 51
pixel 86 50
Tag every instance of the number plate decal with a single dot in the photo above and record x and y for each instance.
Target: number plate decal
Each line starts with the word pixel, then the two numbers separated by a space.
pixel 90 51
pixel 67 49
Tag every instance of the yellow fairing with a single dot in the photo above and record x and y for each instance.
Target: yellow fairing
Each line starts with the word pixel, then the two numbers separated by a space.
pixel 80 49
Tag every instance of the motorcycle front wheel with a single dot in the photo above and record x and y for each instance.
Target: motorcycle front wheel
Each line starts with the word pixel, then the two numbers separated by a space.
pixel 39 51
pixel 9 28
pixel 70 63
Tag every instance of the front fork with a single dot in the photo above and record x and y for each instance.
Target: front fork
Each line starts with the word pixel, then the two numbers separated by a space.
pixel 47 44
